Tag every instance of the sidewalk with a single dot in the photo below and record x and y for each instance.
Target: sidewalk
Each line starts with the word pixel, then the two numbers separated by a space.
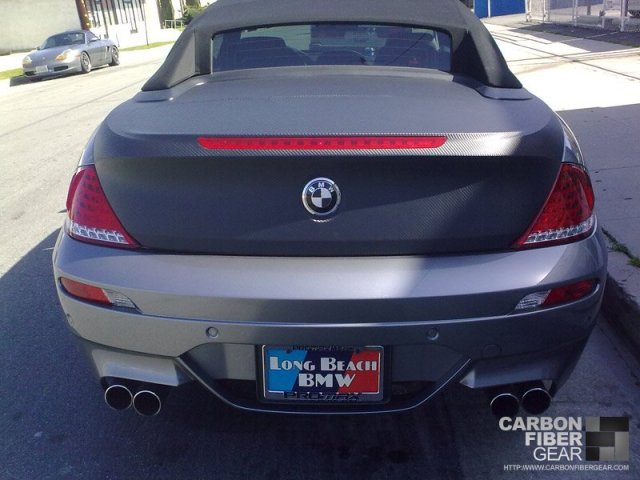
pixel 631 39
pixel 595 86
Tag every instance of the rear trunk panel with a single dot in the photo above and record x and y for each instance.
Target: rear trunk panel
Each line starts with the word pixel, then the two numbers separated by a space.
pixel 478 192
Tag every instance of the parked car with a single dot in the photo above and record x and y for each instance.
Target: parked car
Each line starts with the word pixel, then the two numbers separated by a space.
pixel 70 52
pixel 633 7
pixel 319 206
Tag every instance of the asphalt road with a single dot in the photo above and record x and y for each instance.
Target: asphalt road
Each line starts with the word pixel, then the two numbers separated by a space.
pixel 54 423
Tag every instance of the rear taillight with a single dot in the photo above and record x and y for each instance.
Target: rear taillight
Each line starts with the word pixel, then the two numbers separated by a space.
pixel 567 215
pixel 91 218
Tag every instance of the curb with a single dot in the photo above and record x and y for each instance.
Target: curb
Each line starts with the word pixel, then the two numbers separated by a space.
pixel 619 307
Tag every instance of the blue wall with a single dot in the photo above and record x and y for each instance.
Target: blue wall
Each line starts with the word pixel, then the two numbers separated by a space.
pixel 498 7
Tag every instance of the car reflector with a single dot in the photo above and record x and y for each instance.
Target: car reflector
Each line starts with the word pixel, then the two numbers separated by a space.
pixel 92 293
pixel 91 218
pixel 84 291
pixel 322 143
pixel 567 215
pixel 558 295
pixel 569 293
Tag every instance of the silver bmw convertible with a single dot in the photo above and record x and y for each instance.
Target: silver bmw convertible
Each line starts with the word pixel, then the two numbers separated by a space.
pixel 70 52
pixel 320 206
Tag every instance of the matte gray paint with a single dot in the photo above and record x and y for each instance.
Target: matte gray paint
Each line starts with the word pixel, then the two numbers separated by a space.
pixel 334 301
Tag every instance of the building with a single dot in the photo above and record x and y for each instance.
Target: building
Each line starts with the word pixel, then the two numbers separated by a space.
pixel 24 24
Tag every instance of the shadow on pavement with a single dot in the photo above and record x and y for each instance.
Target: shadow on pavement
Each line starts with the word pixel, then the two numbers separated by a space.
pixel 19 80
pixel 55 423
pixel 541 30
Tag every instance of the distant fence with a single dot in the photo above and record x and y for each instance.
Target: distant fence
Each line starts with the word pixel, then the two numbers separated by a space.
pixel 623 15
pixel 179 23
pixel 494 8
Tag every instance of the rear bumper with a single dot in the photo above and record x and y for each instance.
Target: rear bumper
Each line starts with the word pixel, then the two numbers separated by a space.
pixel 440 319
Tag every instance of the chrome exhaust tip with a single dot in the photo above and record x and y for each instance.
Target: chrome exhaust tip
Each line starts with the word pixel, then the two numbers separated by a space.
pixel 118 397
pixel 505 404
pixel 536 399
pixel 147 403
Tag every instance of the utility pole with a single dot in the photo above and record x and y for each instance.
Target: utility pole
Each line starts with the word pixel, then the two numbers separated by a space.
pixel 103 3
pixel 85 23
pixel 144 19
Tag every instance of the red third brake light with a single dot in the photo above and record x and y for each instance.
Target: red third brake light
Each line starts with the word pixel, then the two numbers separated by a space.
pixel 91 218
pixel 322 143
pixel 567 215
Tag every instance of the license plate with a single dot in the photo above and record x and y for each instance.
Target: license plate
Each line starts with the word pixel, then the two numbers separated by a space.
pixel 322 374
pixel 42 69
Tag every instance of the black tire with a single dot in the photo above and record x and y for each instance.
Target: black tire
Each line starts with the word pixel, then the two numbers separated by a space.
pixel 115 57
pixel 85 62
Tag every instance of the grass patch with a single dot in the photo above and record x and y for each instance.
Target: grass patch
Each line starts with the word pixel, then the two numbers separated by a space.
pixel 616 246
pixel 16 72
pixel 145 47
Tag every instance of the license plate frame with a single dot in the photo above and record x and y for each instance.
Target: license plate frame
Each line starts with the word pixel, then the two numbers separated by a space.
pixel 42 69
pixel 322 374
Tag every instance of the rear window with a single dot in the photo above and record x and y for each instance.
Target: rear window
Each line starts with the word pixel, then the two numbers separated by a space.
pixel 332 44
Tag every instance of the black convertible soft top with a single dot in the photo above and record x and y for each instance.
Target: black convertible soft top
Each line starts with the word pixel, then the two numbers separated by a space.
pixel 474 53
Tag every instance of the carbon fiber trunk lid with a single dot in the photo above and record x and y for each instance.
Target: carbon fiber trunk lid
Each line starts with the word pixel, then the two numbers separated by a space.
pixel 477 192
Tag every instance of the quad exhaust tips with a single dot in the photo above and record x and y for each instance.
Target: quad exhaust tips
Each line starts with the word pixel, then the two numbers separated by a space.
pixel 506 401
pixel 147 403
pixel 118 396
pixel 146 399
pixel 504 404
pixel 535 398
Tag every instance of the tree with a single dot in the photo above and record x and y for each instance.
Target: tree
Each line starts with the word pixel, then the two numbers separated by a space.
pixel 190 13
pixel 166 10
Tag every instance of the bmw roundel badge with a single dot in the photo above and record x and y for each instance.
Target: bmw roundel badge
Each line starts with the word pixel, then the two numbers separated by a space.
pixel 321 196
